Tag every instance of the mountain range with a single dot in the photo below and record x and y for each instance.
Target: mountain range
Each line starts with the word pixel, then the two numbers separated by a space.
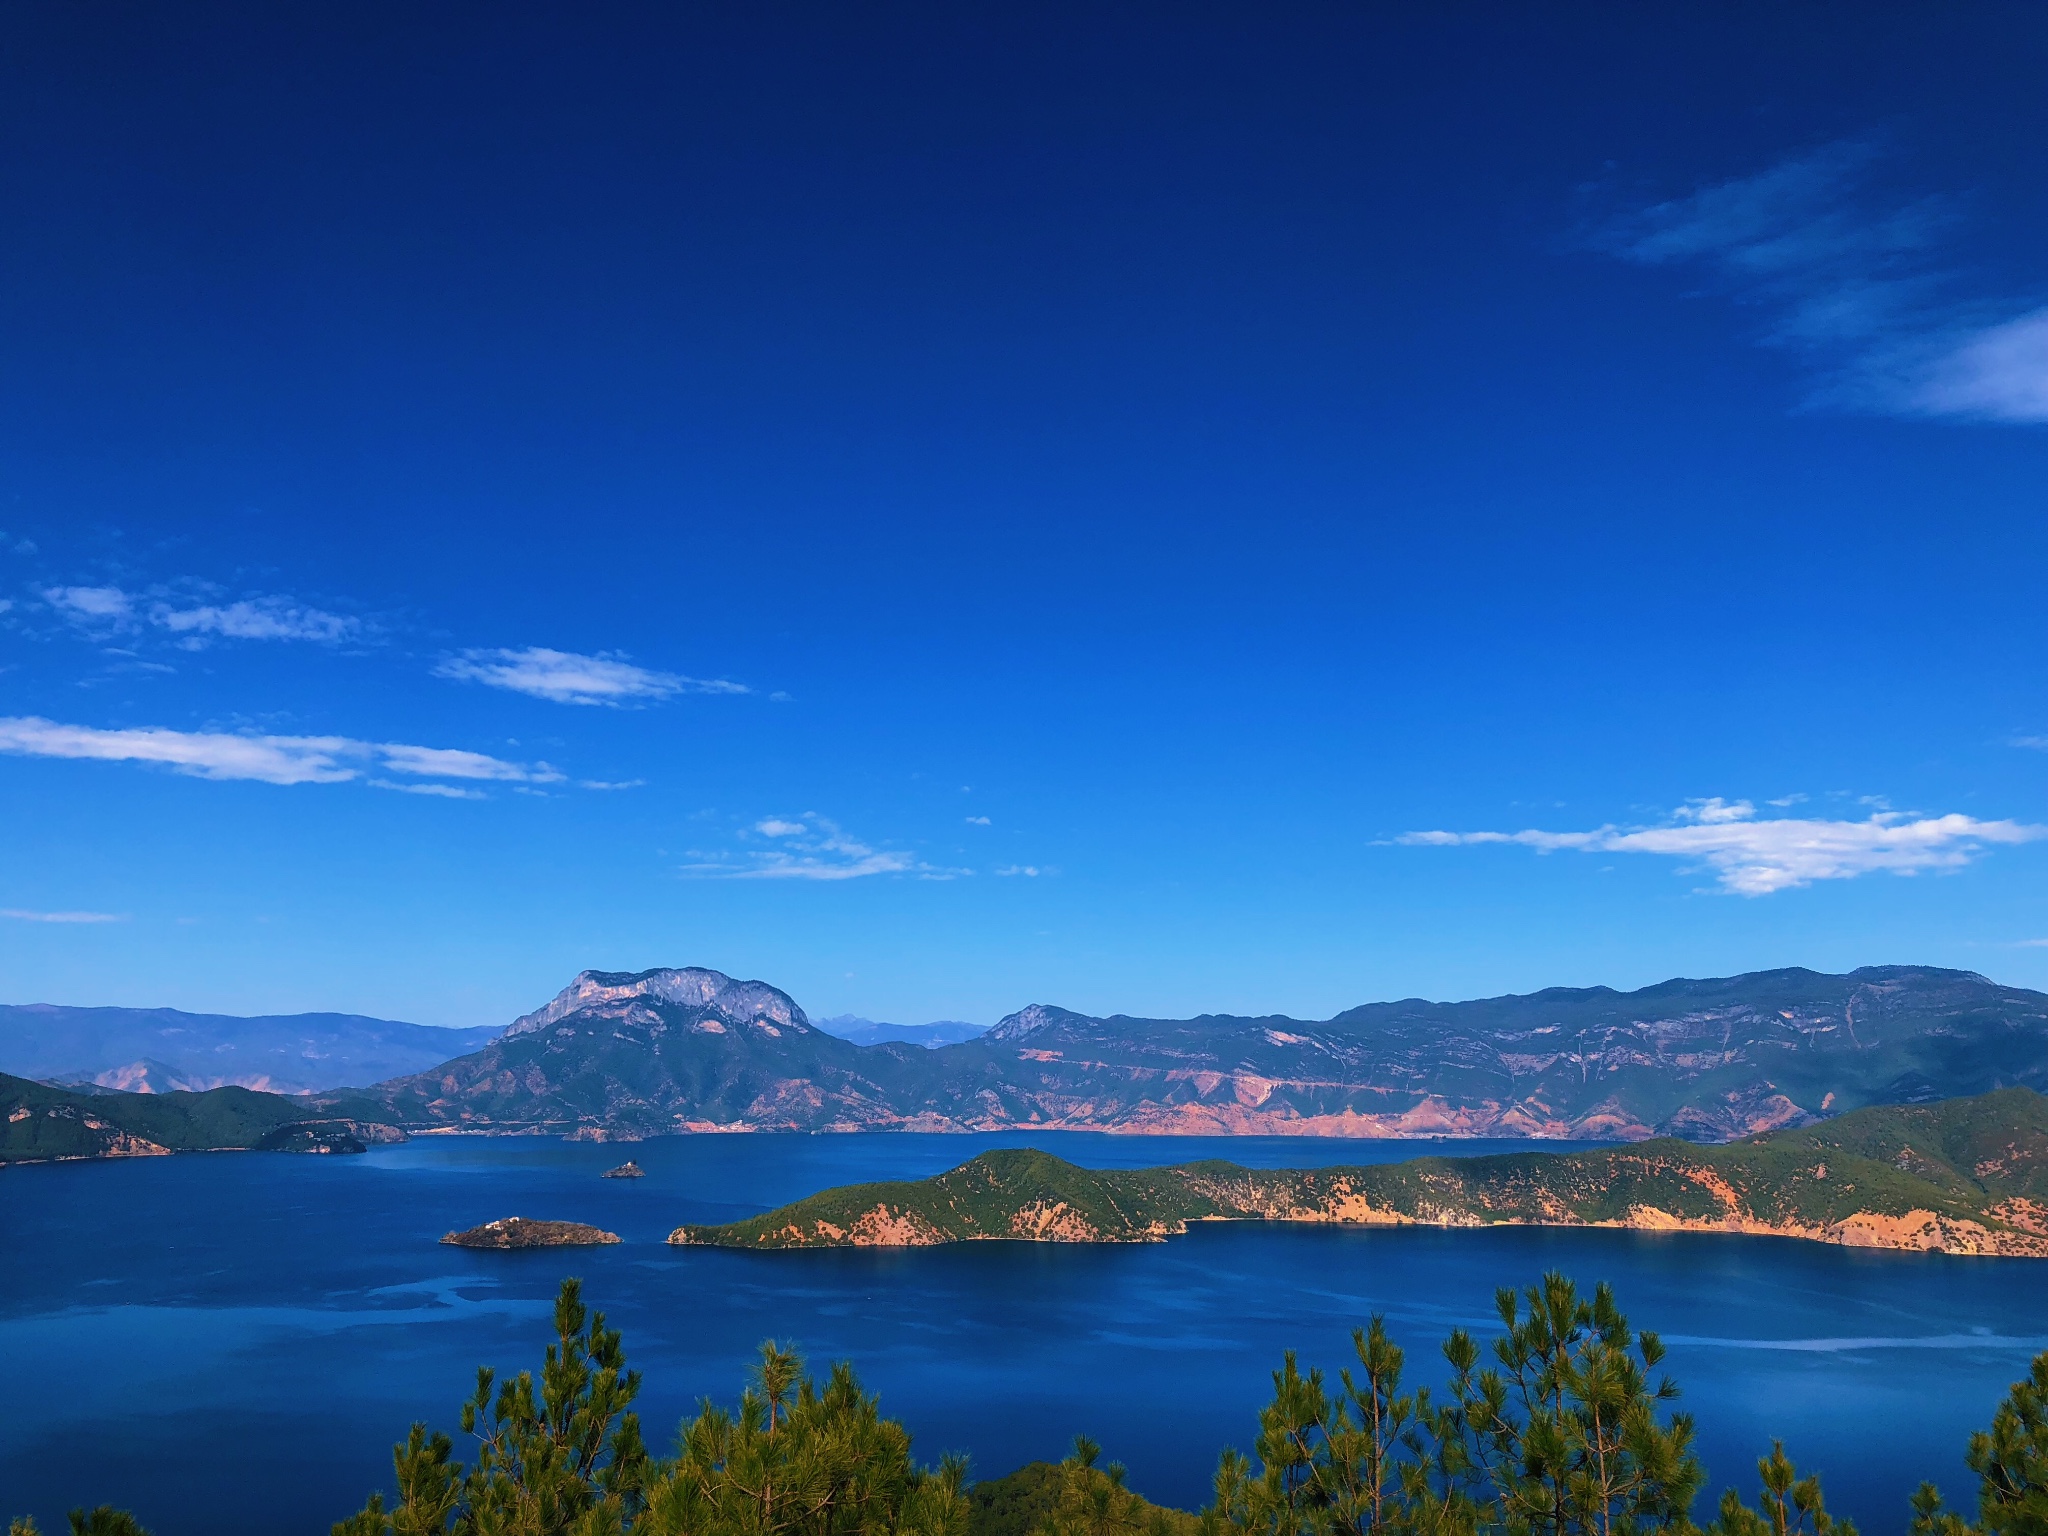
pixel 161 1050
pixel 621 1055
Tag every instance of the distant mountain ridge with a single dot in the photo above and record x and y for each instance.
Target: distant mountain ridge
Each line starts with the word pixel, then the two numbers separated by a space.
pixel 619 1055
pixel 160 1050
pixel 861 1031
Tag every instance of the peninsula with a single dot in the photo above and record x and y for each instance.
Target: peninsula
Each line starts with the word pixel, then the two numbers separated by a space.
pixel 42 1123
pixel 1965 1176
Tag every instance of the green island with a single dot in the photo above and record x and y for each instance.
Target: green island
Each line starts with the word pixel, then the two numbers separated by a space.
pixel 39 1123
pixel 1963 1176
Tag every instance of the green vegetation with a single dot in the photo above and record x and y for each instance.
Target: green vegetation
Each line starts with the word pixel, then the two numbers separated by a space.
pixel 104 1521
pixel 1074 1498
pixel 1790 1505
pixel 1565 1434
pixel 1016 1504
pixel 1561 1426
pixel 1964 1175
pixel 1087 1500
pixel 564 1457
pixel 39 1123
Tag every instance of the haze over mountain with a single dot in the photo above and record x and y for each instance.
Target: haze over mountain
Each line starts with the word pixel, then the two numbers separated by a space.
pixel 860 1031
pixel 618 1055
pixel 158 1050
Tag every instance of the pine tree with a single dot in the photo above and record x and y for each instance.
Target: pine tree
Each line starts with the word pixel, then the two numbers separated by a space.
pixel 1565 1435
pixel 563 1460
pixel 1790 1505
pixel 1352 1463
pixel 2011 1463
pixel 1561 1438
pixel 800 1460
pixel 1095 1501
pixel 563 1456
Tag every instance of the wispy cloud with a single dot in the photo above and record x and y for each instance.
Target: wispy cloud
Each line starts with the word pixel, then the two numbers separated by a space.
pixel 267 618
pixel 564 677
pixel 1859 282
pixel 978 821
pixel 810 847
pixel 1752 857
pixel 452 763
pixel 1031 871
pixel 18 915
pixel 110 610
pixel 441 791
pixel 265 759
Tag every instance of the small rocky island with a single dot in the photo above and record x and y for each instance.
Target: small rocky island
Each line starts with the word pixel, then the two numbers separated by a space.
pixel 518 1232
pixel 626 1170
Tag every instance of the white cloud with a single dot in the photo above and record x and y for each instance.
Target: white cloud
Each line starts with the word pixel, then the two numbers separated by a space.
pixel 444 791
pixel 1858 283
pixel 452 763
pixel 263 618
pixel 610 784
pixel 265 759
pixel 810 847
pixel 1019 869
pixel 1999 373
pixel 978 821
pixel 259 618
pixel 19 916
pixel 92 605
pixel 564 677
pixel 1756 858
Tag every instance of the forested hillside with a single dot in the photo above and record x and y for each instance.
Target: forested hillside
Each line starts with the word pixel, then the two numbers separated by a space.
pixel 1963 1176
pixel 40 1123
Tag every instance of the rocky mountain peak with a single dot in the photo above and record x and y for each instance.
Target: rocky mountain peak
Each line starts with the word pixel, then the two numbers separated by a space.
pixel 736 1002
pixel 1030 1019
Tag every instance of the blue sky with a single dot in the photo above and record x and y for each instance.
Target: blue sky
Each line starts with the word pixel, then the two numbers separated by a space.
pixel 1141 508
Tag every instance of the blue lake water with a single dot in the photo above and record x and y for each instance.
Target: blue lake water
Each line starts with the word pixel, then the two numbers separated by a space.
pixel 165 1319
